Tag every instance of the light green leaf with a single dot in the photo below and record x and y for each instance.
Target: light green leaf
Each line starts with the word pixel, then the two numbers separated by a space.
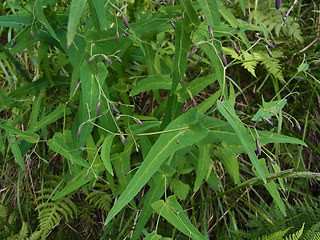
pixel 15 21
pixel 74 17
pixel 58 144
pixel 209 102
pixel 228 112
pixel 59 112
pixel 229 161
pixel 179 188
pixel 25 135
pixel 105 154
pixel 153 236
pixel 82 178
pixel 190 89
pixel 211 12
pixel 182 45
pixel 272 188
pixel 13 144
pixel 153 82
pixel 177 135
pixel 172 211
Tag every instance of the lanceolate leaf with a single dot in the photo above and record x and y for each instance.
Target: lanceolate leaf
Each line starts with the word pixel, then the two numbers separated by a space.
pixel 152 82
pixel 39 14
pixel 15 21
pixel 211 12
pixel 74 17
pixel 15 149
pixel 105 154
pixel 182 42
pixel 226 109
pixel 168 143
pixel 172 211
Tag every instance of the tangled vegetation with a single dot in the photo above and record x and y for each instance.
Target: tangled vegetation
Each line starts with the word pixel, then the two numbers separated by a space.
pixel 159 119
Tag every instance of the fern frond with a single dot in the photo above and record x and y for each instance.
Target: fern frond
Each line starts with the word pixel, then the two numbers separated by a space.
pixel 274 236
pixel 273 65
pixel 249 63
pixel 313 233
pixel 100 198
pixel 296 235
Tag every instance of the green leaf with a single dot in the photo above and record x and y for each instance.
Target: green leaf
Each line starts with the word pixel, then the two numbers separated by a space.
pixel 39 14
pixel 211 12
pixel 203 166
pixel 229 161
pixel 58 144
pixel 82 178
pixel 15 21
pixel 90 96
pixel 209 102
pixel 105 154
pixel 74 17
pixel 191 13
pixel 30 88
pixel 59 112
pixel 182 43
pixel 13 144
pixel 172 211
pixel 179 188
pixel 25 135
pixel 190 89
pixel 158 185
pixel 153 82
pixel 153 236
pixel 228 112
pixel 272 189
pixel 177 135
pixel 268 109
pixel 101 14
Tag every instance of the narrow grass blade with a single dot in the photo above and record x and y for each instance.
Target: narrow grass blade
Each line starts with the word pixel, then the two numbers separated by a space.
pixel 168 143
pixel 172 211
pixel 209 102
pixel 226 109
pixel 74 17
